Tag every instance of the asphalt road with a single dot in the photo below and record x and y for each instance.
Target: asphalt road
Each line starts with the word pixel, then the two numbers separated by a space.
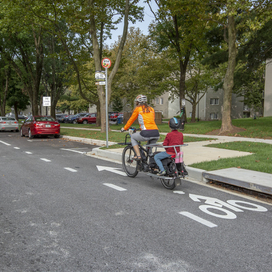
pixel 61 210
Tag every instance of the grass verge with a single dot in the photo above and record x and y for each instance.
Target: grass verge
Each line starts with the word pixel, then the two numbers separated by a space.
pixel 260 160
pixel 114 136
pixel 254 128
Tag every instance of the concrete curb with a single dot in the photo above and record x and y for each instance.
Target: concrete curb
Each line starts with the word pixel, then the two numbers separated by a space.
pixel 88 141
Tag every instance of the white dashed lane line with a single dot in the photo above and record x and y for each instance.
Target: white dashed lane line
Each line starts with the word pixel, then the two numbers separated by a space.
pixel 70 169
pixel 76 151
pixel 28 152
pixel 16 147
pixel 4 143
pixel 45 160
pixel 115 187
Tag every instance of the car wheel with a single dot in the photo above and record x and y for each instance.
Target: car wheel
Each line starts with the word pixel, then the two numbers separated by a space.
pixel 74 122
pixel 21 133
pixel 85 122
pixel 30 136
pixel 57 136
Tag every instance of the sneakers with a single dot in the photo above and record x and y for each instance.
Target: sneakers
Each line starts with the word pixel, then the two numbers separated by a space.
pixel 162 173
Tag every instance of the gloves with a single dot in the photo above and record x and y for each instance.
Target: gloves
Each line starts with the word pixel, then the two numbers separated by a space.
pixel 122 129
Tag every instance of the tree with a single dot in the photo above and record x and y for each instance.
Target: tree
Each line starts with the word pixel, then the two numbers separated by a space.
pixel 21 45
pixel 241 20
pixel 94 20
pixel 179 27
pixel 16 96
pixel 141 69
pixel 5 74
pixel 117 104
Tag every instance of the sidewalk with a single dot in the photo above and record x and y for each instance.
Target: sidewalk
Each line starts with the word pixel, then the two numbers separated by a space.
pixel 198 152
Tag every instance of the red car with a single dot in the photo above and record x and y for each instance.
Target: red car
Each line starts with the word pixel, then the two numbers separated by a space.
pixel 89 118
pixel 40 125
pixel 114 116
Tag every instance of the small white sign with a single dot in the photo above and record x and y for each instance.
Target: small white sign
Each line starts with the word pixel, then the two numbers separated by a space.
pixel 183 102
pixel 47 101
pixel 100 76
pixel 100 83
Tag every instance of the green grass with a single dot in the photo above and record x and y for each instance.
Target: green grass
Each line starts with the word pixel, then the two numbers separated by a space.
pixel 260 160
pixel 114 136
pixel 254 128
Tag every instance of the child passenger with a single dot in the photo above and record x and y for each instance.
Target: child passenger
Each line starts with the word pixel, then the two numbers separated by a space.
pixel 172 138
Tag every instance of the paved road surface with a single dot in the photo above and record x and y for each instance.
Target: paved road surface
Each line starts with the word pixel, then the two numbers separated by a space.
pixel 59 213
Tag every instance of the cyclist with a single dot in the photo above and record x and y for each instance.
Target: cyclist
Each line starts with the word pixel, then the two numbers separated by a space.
pixel 146 118
pixel 172 138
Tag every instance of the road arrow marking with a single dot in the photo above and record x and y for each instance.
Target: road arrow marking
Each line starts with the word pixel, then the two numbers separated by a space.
pixel 111 169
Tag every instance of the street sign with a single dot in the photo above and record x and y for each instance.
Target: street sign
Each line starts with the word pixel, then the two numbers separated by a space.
pixel 100 83
pixel 106 63
pixel 47 101
pixel 100 76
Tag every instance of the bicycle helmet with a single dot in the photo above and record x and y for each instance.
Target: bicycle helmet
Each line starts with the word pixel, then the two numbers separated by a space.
pixel 141 98
pixel 174 123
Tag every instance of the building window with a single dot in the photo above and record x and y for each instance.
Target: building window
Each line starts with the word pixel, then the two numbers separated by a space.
pixel 214 101
pixel 213 116
pixel 157 101
pixel 161 101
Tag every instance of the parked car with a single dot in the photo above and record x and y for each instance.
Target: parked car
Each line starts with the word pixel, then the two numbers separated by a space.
pixel 8 123
pixel 114 116
pixel 89 118
pixel 20 116
pixel 61 117
pixel 73 118
pixel 40 125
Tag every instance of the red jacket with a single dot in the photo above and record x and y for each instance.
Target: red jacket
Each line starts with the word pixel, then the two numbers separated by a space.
pixel 173 138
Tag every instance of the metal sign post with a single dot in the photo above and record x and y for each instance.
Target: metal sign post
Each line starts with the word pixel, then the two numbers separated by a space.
pixel 106 63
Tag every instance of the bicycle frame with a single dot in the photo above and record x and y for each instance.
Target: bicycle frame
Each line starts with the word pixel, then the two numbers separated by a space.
pixel 170 181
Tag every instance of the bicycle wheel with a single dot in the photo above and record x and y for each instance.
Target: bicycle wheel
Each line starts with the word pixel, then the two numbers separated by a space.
pixel 129 165
pixel 169 183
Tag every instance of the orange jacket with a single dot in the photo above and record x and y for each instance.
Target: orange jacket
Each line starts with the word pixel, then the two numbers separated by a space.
pixel 146 119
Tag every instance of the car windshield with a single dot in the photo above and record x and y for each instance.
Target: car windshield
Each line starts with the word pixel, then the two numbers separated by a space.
pixel 44 118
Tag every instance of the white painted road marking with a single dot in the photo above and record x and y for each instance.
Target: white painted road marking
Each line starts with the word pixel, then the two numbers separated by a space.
pixel 46 160
pixel 16 147
pixel 179 192
pixel 198 219
pixel 70 169
pixel 28 152
pixel 76 151
pixel 4 143
pixel 115 187
pixel 111 169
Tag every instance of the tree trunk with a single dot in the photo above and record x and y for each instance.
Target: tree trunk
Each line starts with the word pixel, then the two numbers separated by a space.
pixel 229 77
pixel 193 119
pixel 3 102
pixel 97 62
